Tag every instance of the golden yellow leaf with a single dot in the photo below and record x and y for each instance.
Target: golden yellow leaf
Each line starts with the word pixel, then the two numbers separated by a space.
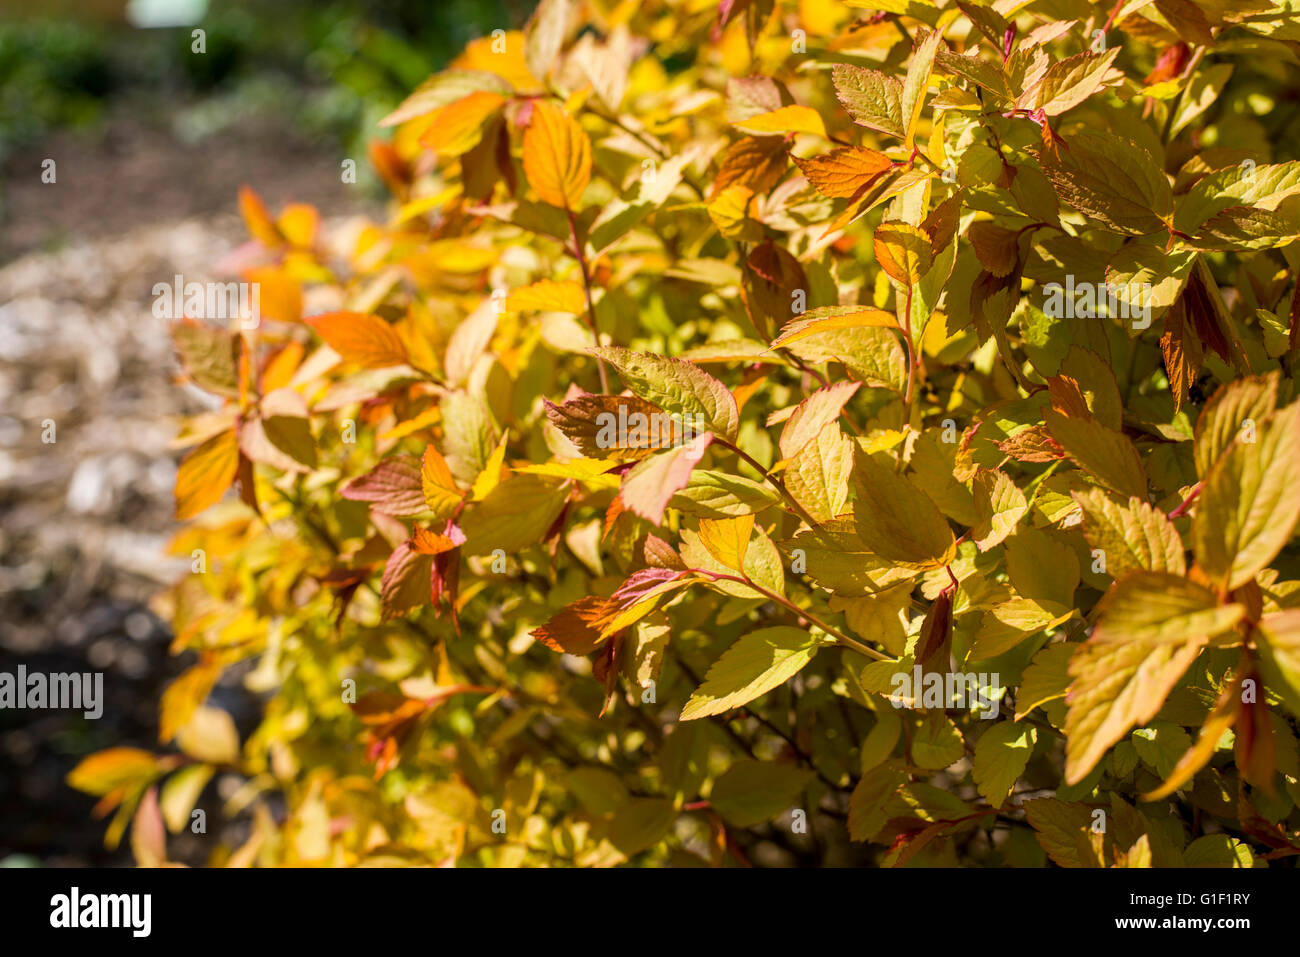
pixel 786 119
pixel 440 491
pixel 903 252
pixel 557 157
pixel 547 295
pixel 205 474
pixel 727 539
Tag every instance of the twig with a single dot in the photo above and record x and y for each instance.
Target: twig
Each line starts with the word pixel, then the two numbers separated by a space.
pixel 586 288
pixel 786 603
pixel 771 479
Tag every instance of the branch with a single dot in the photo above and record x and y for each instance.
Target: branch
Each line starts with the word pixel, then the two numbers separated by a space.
pixel 831 630
pixel 586 288
pixel 768 477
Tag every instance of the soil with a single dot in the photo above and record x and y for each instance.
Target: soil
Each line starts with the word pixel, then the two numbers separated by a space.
pixel 88 402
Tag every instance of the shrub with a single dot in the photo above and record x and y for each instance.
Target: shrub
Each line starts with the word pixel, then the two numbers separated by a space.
pixel 766 436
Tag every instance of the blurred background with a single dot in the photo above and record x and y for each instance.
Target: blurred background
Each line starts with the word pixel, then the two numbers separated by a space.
pixel 150 141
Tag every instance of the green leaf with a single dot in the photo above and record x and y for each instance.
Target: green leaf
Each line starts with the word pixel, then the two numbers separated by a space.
pixel 640 824
pixel 1096 380
pixel 1046 679
pixel 1218 850
pixel 1112 179
pixel 977 70
pixel 711 494
pixel 872 98
pixel 1235 405
pixel 677 386
pixel 752 792
pixel 867 804
pixel 599 791
pixel 1062 829
pixel 870 354
pixel 517 513
pixel 1279 650
pixel 1043 567
pixel 1264 187
pixel 1245 227
pixel 880 741
pixel 1159 608
pixel 811 415
pixel 936 743
pixel 1117 685
pixel 1132 537
pixel 818 476
pixel 836 557
pixel 471 435
pixel 754 665
pixel 1107 454
pixel 1146 276
pixel 1001 755
pixel 1250 501
pixel 1008 623
pixel 1161 745
pixel 1069 82
pixel 912 95
pixel 1000 504
pixel 896 520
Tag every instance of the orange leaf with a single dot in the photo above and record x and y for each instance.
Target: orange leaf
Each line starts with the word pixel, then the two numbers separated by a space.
pixel 425 542
pixel 361 338
pixel 841 173
pixel 903 252
pixel 757 162
pixel 577 628
pixel 279 297
pixel 457 127
pixel 279 369
pixel 205 474
pixel 557 156
pixel 502 55
pixel 258 219
pixel 106 771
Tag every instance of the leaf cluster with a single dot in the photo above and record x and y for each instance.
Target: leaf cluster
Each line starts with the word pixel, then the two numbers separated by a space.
pixel 765 429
